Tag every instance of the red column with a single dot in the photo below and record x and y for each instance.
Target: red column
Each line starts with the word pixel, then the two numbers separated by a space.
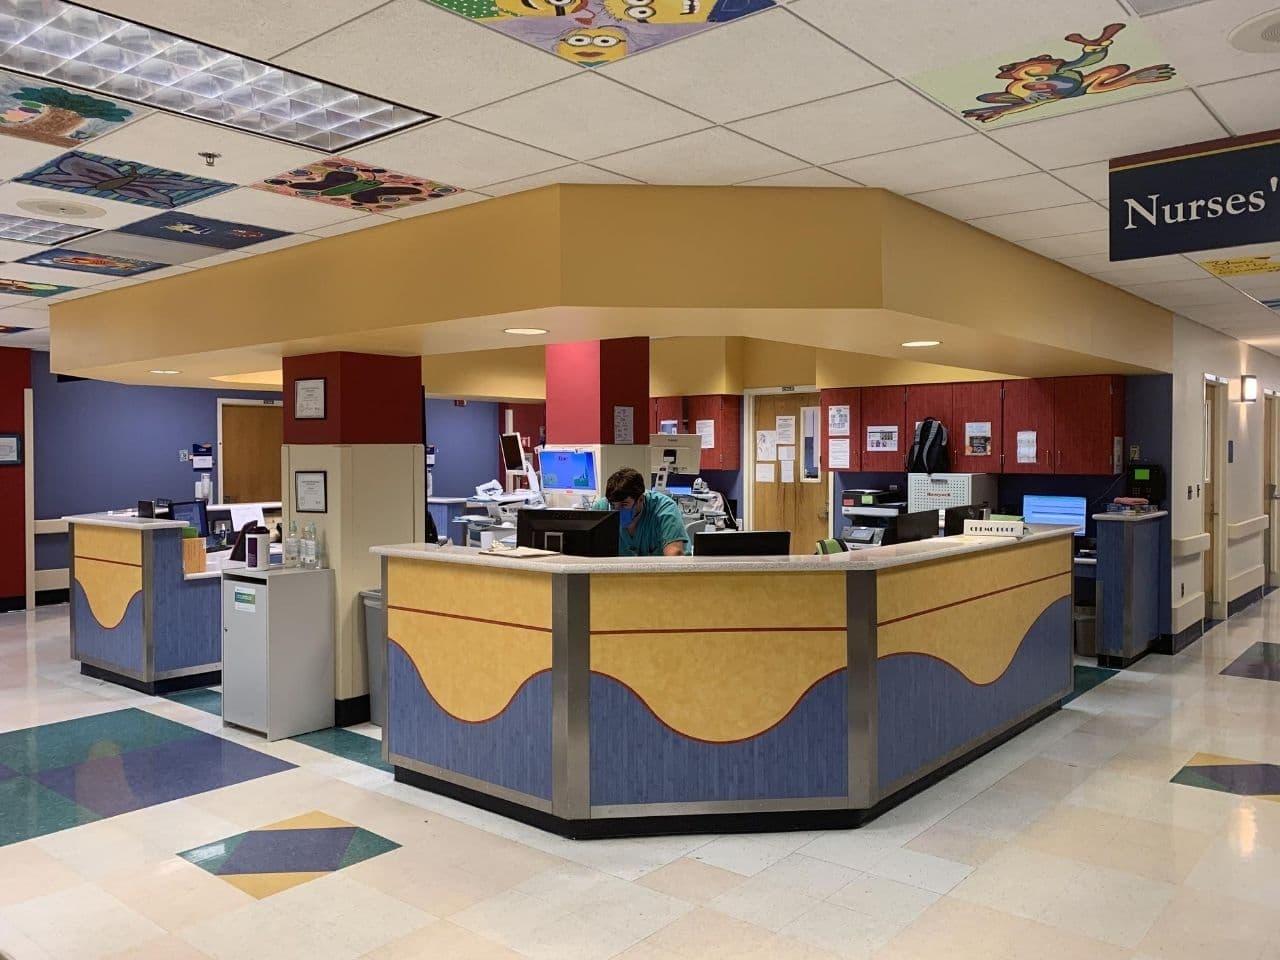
pixel 15 378
pixel 368 398
pixel 586 382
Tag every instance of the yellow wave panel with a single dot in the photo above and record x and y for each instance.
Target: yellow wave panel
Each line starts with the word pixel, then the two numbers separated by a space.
pixel 108 543
pixel 978 638
pixel 1215 760
pixel 108 587
pixel 515 596
pixel 719 686
pixel 902 591
pixel 471 669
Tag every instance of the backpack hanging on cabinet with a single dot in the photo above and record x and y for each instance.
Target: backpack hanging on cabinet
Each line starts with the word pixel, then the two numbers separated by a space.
pixel 929 451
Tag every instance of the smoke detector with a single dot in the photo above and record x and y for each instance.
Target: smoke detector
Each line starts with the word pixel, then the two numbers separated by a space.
pixel 1259 35
pixel 62 209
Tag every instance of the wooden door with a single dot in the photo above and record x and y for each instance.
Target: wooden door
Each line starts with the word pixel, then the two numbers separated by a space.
pixel 1214 460
pixel 977 403
pixel 885 407
pixel 799 505
pixel 251 439
pixel 1088 414
pixel 1028 410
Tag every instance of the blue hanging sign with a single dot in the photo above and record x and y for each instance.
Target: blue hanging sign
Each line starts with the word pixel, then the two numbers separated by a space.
pixel 1204 196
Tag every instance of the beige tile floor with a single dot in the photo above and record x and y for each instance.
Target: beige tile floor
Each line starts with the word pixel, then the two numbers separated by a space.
pixel 1068 842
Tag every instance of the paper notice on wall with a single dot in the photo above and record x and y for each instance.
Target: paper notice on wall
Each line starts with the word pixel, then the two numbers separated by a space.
pixel 786 430
pixel 882 439
pixel 245 599
pixel 838 420
pixel 838 454
pixel 788 470
pixel 765 472
pixel 977 439
pixel 786 453
pixel 1027 446
pixel 706 429
pixel 624 425
pixel 766 444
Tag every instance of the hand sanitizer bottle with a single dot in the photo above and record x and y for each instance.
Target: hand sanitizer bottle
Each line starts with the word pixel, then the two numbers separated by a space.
pixel 292 548
pixel 309 545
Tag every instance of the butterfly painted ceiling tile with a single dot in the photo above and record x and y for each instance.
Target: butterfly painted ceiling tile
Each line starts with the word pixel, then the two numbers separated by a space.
pixel 92 175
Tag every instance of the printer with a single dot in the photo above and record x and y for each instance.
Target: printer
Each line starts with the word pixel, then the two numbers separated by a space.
pixel 869 517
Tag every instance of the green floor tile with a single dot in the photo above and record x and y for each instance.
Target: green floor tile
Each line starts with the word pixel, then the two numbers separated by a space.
pixel 344 743
pixel 202 698
pixel 365 845
pixel 1087 678
pixel 70 742
pixel 28 810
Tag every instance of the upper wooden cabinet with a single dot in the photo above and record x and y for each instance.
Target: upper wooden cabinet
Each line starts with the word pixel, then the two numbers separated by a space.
pixel 850 397
pixel 1028 417
pixel 979 404
pixel 1088 424
pixel 725 414
pixel 884 407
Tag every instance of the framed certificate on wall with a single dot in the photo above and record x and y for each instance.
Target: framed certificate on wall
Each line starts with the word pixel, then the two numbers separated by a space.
pixel 10 449
pixel 308 399
pixel 311 491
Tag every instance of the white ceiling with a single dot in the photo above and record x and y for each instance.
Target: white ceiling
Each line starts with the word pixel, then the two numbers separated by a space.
pixel 809 93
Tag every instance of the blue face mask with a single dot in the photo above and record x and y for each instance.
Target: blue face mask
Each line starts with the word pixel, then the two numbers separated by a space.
pixel 626 516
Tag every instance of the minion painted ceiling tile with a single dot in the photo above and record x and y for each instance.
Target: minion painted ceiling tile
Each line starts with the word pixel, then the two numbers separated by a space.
pixel 1097 65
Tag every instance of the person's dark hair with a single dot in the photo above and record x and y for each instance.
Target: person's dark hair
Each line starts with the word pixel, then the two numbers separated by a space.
pixel 626 484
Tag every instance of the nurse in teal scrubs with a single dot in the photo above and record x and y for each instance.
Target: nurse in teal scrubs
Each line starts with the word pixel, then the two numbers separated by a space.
pixel 650 522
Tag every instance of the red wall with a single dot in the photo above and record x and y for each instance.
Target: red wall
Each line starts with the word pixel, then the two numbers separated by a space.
pixel 585 381
pixel 15 377
pixel 368 398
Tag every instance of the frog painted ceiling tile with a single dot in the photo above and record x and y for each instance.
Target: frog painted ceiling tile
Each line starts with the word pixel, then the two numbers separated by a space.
pixel 44 112
pixel 1095 65
pixel 352 185
pixel 591 33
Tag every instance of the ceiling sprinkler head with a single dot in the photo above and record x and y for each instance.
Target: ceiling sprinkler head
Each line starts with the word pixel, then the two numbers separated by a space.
pixel 209 158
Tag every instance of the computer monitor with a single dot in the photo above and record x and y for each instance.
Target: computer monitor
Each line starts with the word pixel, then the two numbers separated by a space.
pixel 679 453
pixel 194 513
pixel 512 452
pixel 909 527
pixel 954 518
pixel 147 509
pixel 577 533
pixel 1060 511
pixel 750 543
pixel 568 471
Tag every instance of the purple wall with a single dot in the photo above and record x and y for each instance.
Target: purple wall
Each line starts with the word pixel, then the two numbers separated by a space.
pixel 466 442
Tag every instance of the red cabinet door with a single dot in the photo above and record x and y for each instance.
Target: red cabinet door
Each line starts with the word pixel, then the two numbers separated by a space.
pixel 1088 416
pixel 976 403
pixel 929 400
pixel 884 407
pixel 725 413
pixel 668 408
pixel 850 397
pixel 1028 410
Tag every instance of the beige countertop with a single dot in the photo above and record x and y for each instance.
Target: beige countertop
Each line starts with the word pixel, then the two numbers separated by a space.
pixel 125 521
pixel 1131 517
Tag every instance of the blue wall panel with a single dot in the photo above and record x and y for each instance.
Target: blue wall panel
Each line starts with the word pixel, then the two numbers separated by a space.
pixel 121 647
pixel 466 441
pixel 187 613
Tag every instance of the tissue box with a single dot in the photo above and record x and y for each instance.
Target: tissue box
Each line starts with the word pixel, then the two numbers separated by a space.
pixel 193 556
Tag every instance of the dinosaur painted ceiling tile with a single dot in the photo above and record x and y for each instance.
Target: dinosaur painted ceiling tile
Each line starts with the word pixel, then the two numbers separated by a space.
pixel 109 178
pixel 83 261
pixel 352 185
pixel 592 33
pixel 29 288
pixel 1096 65
pixel 44 112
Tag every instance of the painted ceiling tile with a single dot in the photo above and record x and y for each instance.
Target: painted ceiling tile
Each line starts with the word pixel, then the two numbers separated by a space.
pixel 92 175
pixel 44 232
pixel 7 330
pixel 33 109
pixel 28 288
pixel 352 185
pixel 205 231
pixel 88 262
pixel 1097 65
pixel 591 33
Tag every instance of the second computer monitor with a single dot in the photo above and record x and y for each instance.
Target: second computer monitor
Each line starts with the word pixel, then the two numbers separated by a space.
pixel 568 471
pixel 578 533
pixel 512 452
pixel 1060 511
pixel 680 453
pixel 751 543
pixel 194 513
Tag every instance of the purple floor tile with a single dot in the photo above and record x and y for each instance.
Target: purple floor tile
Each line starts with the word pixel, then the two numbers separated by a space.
pixel 1246 779
pixel 6 773
pixel 289 851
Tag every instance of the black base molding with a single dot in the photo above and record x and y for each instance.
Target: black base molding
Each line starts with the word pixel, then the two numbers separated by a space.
pixel 353 710
pixel 1113 662
pixel 47 598
pixel 9 604
pixel 770 821
pixel 1244 600
pixel 156 688
pixel 1169 644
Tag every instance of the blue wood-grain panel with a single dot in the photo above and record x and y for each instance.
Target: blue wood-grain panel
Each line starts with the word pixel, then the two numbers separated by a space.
pixel 187 614
pixel 1112 567
pixel 929 708
pixel 1147 584
pixel 120 647
pixel 635 758
pixel 512 750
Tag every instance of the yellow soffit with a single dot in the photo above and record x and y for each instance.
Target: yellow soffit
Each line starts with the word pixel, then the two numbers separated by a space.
pixel 787 264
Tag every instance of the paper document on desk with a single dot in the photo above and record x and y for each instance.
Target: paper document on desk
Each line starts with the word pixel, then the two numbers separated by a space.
pixel 489 491
pixel 521 553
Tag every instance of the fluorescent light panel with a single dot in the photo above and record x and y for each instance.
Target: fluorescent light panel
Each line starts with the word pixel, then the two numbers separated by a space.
pixel 72 44
pixel 44 232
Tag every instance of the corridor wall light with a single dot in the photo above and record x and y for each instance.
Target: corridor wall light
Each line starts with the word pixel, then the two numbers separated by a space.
pixel 1248 388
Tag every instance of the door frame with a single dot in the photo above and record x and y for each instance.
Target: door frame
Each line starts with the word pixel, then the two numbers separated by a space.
pixel 1271 480
pixel 224 402
pixel 1216 443
pixel 749 450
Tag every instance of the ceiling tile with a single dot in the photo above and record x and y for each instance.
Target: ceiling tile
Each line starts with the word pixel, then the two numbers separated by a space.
pixel 349 226
pixel 1247 105
pixel 112 212
pixel 856 124
pixel 9 300
pixel 1232 314
pixel 573 173
pixel 219 257
pixel 911 36
pixel 35 317
pixel 1101 263
pixel 932 166
pixel 1032 191
pixel 19 156
pixel 585 116
pixel 458 155
pixel 1054 222
pixel 1260 286
pixel 245 26
pixel 1187 293
pixel 185 228
pixel 1091 179
pixel 437 205
pixel 13 250
pixel 1071 245
pixel 284 243
pixel 715 156
pixel 175 142
pixel 1113 131
pixel 140 248
pixel 1195 38
pixel 808 177
pixel 31 339
pixel 1139 271
pixel 247 205
pixel 65 278
pixel 766 62
pixel 456 64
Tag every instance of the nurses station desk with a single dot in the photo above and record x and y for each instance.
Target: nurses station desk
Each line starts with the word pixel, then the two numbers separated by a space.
pixel 136 618
pixel 624 696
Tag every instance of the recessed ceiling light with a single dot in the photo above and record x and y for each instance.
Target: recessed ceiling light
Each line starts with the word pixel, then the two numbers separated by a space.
pixel 70 209
pixel 121 58
pixel 166 373
pixel 922 343
pixel 525 331
pixel 1259 35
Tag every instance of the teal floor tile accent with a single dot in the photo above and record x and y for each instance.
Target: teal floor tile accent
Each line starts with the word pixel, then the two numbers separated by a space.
pixel 344 743
pixel 201 698
pixel 28 809
pixel 71 742
pixel 1087 678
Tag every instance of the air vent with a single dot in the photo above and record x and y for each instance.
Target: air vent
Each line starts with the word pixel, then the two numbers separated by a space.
pixel 1259 35
pixel 62 209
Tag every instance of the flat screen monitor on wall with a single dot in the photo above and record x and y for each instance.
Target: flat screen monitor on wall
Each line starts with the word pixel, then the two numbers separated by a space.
pixel 568 471
pixel 1060 511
